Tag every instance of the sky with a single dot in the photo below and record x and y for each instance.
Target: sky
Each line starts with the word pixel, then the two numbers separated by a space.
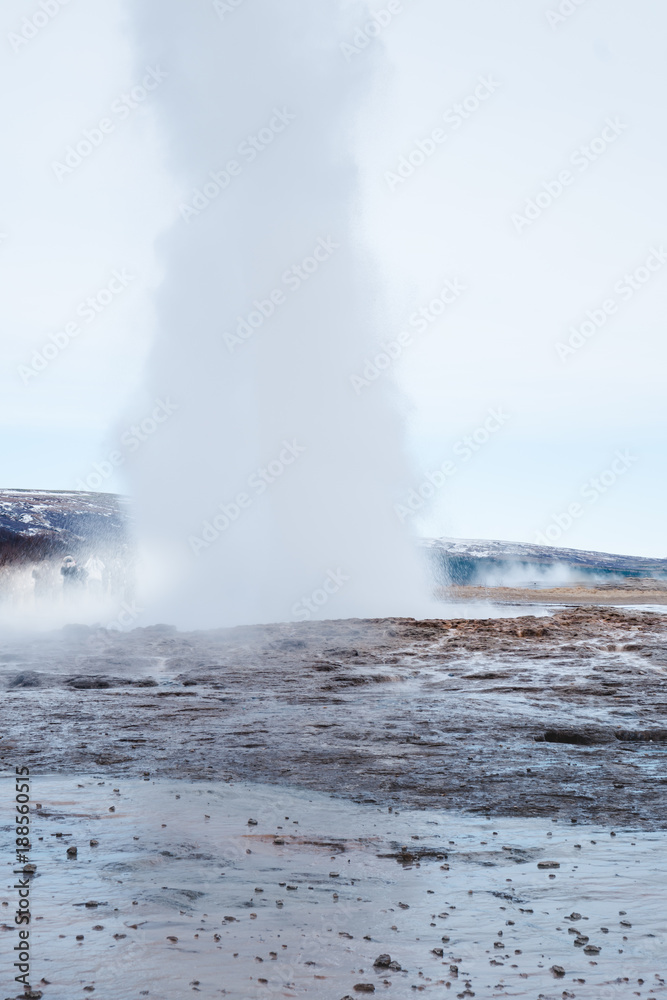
pixel 513 151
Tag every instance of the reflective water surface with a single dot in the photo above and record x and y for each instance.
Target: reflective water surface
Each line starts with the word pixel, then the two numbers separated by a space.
pixel 194 898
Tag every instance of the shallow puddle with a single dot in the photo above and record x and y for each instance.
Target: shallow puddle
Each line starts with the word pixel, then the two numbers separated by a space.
pixel 192 898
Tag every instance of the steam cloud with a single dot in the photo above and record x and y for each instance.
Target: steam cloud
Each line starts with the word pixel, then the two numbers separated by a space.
pixel 267 307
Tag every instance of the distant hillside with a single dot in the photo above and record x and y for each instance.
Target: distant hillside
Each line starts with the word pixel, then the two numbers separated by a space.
pixel 35 524
pixel 482 562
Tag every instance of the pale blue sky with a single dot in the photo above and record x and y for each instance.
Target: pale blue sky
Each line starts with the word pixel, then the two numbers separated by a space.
pixel 557 86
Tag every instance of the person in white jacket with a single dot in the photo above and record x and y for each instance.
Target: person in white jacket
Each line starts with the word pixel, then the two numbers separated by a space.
pixel 94 567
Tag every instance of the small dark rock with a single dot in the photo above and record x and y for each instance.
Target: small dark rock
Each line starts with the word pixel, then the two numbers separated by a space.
pixel 96 682
pixel 382 962
pixel 642 736
pixel 584 737
pixel 26 679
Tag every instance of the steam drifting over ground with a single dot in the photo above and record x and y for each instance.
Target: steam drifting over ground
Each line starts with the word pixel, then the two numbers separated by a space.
pixel 269 495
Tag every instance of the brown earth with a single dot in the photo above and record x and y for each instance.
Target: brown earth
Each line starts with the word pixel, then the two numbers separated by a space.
pixel 449 714
pixel 611 594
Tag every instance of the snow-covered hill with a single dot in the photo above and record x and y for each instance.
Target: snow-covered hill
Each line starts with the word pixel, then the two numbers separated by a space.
pixel 482 561
pixel 39 523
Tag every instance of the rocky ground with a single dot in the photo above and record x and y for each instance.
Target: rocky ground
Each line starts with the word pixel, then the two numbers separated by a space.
pixel 559 716
pixel 640 592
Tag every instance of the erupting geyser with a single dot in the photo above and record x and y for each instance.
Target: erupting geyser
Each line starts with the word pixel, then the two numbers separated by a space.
pixel 268 495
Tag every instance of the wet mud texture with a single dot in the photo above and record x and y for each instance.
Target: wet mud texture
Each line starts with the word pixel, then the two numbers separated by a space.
pixel 563 716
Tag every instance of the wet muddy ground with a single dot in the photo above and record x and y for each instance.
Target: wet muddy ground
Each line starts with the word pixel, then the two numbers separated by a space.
pixel 219 889
pixel 560 716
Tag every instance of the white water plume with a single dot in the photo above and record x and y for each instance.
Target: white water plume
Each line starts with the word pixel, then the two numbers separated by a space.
pixel 269 494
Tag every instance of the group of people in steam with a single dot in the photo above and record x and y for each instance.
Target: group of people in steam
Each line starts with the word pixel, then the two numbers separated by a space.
pixel 77 579
pixel 89 576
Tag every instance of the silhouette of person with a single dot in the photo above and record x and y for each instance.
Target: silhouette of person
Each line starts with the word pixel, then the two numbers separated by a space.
pixel 74 577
